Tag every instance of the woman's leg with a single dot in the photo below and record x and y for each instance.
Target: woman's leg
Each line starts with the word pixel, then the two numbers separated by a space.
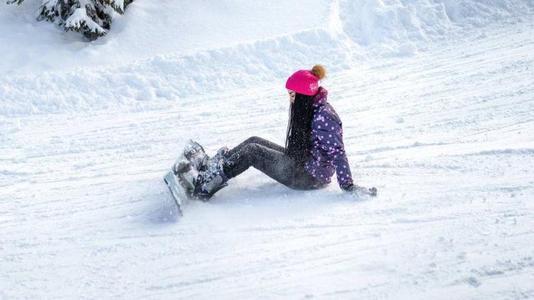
pixel 272 162
pixel 268 144
pixel 255 140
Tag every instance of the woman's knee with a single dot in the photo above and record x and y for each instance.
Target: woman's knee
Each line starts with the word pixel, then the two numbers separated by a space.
pixel 252 152
pixel 251 148
pixel 253 140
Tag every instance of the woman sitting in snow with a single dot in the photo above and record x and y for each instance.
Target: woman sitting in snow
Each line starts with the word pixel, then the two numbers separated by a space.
pixel 314 148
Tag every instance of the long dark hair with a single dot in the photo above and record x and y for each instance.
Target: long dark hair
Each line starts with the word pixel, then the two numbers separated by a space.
pixel 298 137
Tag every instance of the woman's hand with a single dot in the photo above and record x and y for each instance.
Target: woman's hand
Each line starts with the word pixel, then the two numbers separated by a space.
pixel 356 189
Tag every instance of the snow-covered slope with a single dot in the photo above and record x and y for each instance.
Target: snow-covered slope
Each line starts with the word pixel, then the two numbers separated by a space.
pixel 149 28
pixel 436 99
pixel 245 45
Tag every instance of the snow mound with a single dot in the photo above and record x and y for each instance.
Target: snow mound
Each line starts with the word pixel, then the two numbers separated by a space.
pixel 171 77
pixel 352 33
pixel 402 27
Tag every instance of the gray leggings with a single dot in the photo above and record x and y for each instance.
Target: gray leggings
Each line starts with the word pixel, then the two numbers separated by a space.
pixel 270 159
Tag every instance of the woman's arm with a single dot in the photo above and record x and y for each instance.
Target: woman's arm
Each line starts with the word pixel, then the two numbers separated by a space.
pixel 330 136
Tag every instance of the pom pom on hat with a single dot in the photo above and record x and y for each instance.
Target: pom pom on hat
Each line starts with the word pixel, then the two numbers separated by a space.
pixel 319 71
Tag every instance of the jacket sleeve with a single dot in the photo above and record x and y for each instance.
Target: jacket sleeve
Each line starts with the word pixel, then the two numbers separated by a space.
pixel 330 141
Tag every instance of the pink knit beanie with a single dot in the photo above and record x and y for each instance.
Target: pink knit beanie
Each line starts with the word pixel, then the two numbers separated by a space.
pixel 306 82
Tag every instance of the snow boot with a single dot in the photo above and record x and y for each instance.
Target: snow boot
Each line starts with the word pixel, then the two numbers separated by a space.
pixel 186 176
pixel 195 154
pixel 211 178
pixel 188 164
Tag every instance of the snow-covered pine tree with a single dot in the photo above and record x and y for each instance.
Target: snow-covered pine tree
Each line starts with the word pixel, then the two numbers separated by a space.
pixel 92 18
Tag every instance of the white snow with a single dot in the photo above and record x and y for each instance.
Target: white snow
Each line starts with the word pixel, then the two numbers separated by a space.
pixel 148 29
pixel 437 102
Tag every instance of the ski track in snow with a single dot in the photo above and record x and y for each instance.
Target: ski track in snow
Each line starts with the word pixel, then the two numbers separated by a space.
pixel 446 135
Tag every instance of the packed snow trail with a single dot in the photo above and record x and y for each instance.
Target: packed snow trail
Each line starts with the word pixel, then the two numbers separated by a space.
pixel 445 135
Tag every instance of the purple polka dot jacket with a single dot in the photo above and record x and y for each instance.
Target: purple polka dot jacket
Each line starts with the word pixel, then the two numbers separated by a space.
pixel 327 149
